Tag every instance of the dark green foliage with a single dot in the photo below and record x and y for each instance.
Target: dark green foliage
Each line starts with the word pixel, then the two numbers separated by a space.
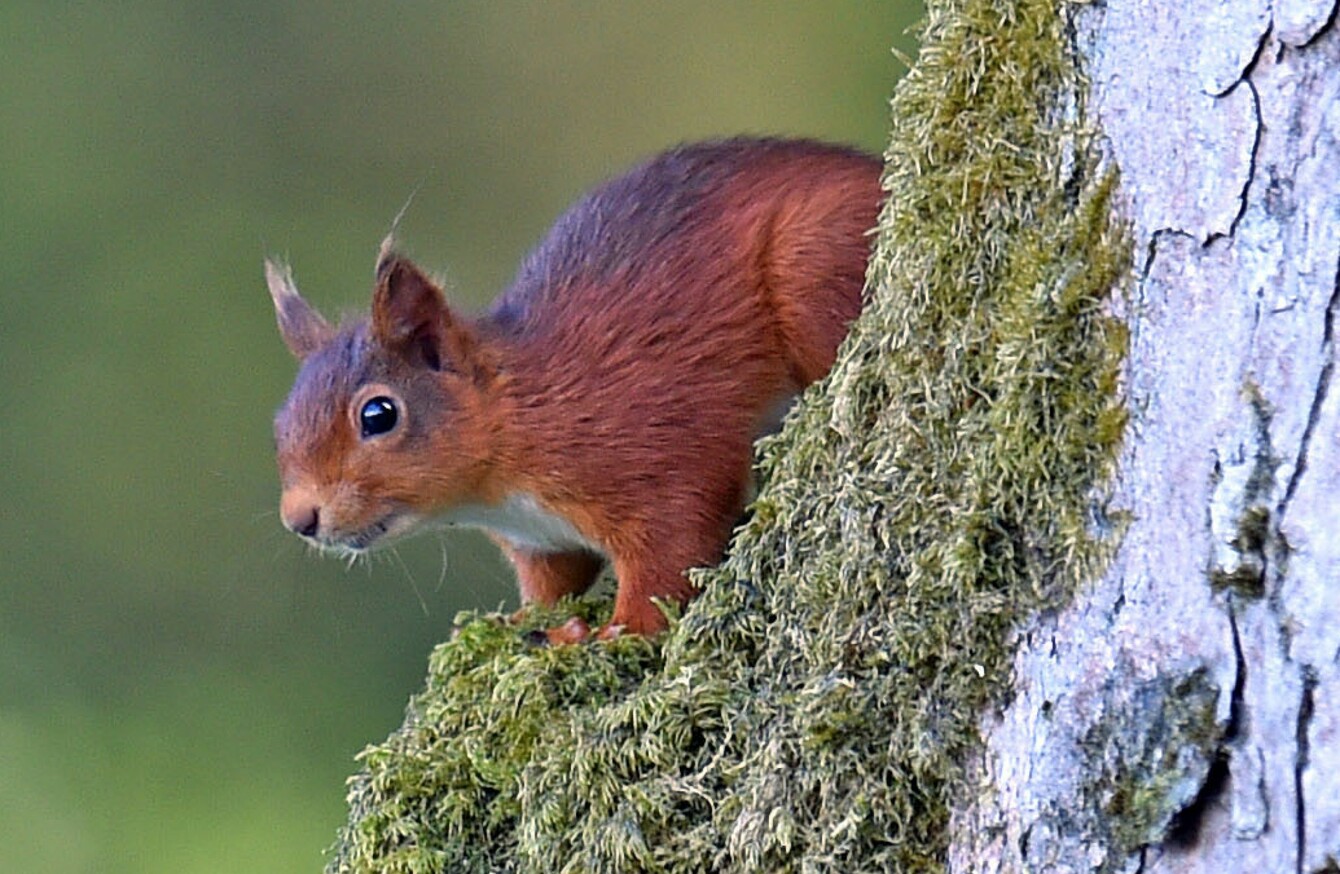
pixel 810 710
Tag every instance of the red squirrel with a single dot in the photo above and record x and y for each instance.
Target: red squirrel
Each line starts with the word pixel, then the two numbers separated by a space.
pixel 605 407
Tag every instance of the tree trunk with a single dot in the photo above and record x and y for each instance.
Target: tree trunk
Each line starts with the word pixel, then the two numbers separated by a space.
pixel 1224 122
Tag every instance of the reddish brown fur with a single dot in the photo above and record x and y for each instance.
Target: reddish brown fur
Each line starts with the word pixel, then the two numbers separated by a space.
pixel 620 382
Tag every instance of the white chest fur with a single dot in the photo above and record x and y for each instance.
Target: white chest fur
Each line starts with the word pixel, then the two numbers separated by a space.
pixel 523 522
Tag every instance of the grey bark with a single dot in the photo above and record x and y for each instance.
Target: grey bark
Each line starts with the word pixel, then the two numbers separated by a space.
pixel 1223 600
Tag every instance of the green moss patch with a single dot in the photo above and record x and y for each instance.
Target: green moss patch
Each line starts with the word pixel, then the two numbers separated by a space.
pixel 811 709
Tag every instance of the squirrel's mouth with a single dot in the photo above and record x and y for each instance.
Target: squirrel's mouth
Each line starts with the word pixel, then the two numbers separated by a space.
pixel 380 532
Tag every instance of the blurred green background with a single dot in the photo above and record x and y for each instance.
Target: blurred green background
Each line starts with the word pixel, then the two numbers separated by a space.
pixel 182 687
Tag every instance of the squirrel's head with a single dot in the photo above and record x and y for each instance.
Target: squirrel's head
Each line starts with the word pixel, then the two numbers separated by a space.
pixel 386 422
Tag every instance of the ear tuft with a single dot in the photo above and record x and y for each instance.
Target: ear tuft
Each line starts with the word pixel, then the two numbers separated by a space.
pixel 302 327
pixel 385 254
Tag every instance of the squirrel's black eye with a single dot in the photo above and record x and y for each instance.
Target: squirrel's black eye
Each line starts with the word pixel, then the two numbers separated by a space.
pixel 377 416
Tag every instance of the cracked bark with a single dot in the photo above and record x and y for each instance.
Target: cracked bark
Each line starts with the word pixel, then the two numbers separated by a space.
pixel 1224 120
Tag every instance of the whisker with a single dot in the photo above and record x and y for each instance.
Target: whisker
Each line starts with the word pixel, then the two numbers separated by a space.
pixel 442 573
pixel 413 584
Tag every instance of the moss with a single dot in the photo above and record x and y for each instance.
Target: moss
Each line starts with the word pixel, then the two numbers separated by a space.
pixel 810 710
pixel 443 789
pixel 1150 757
pixel 1247 576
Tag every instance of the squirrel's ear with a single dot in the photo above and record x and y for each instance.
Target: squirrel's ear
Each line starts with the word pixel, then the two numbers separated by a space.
pixel 410 315
pixel 303 329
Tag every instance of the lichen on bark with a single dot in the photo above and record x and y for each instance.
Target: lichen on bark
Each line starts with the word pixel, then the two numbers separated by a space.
pixel 1149 758
pixel 811 709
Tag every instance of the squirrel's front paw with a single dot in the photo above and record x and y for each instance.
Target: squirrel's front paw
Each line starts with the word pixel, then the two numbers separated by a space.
pixel 575 630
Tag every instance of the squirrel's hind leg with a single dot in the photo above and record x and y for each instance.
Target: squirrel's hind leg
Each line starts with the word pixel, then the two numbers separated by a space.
pixel 545 577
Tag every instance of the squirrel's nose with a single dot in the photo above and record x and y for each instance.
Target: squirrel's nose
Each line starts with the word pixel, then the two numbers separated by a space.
pixel 301 516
